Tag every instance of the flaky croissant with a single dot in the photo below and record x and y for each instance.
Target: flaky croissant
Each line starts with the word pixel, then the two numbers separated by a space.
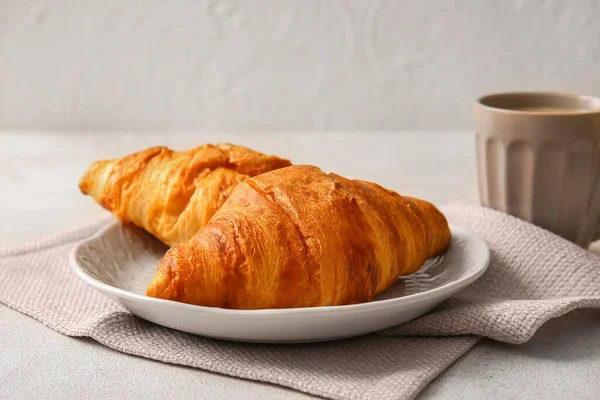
pixel 297 237
pixel 172 194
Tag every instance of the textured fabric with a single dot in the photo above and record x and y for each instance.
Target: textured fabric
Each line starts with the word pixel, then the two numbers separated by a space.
pixel 533 276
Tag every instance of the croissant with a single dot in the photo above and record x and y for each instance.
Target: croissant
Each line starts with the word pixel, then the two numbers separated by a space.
pixel 172 194
pixel 297 237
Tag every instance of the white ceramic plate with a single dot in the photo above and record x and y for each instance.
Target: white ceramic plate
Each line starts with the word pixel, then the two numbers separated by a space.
pixel 121 260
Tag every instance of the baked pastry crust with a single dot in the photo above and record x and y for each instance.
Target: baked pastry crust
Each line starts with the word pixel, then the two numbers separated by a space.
pixel 172 194
pixel 298 237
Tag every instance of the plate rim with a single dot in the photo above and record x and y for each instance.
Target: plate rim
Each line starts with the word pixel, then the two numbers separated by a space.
pixel 349 308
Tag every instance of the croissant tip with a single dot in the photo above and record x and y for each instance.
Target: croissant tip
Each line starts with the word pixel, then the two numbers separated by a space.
pixel 84 182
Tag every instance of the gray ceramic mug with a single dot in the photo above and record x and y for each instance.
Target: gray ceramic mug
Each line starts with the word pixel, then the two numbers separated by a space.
pixel 538 159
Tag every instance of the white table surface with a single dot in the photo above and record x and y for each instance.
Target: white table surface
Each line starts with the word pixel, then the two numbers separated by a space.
pixel 39 173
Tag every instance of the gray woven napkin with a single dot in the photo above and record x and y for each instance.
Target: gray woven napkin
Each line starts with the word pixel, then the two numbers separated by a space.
pixel 533 276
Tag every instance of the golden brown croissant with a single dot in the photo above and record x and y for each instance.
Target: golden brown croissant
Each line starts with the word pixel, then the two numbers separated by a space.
pixel 172 194
pixel 297 237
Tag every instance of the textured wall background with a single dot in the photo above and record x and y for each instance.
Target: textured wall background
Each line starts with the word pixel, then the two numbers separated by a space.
pixel 283 64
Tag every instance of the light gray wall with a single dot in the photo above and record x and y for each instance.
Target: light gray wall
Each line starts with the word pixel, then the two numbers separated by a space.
pixel 283 65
